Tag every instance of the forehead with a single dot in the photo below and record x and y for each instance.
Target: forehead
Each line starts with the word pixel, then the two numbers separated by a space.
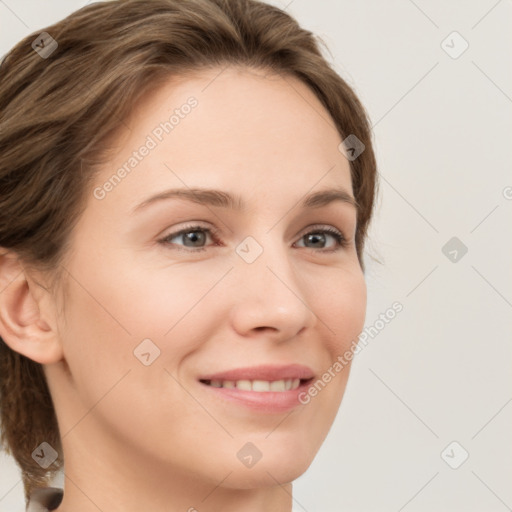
pixel 235 128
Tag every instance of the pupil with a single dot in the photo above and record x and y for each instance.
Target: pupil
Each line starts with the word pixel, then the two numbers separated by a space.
pixel 316 237
pixel 193 236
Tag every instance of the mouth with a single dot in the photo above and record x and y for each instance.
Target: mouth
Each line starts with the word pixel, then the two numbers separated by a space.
pixel 259 386
pixel 271 389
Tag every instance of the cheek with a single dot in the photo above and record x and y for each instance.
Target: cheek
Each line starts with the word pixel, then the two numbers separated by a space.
pixel 96 341
pixel 341 309
pixel 109 383
pixel 157 300
pixel 110 315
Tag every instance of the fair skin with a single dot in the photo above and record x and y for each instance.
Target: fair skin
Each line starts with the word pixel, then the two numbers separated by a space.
pixel 136 434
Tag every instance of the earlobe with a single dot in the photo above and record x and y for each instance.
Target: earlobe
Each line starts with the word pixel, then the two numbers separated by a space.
pixel 26 324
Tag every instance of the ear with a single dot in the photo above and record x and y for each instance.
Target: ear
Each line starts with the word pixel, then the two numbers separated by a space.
pixel 27 314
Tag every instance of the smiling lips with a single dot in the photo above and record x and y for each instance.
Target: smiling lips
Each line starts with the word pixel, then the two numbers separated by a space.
pixel 265 388
pixel 256 385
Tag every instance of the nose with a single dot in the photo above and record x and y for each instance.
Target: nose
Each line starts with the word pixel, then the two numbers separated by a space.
pixel 270 298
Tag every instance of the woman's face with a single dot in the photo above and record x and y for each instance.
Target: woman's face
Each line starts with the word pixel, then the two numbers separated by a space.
pixel 151 314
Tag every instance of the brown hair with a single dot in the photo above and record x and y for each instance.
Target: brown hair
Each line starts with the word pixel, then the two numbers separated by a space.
pixel 58 111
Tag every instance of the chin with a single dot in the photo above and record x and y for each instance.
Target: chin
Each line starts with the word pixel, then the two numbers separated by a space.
pixel 278 465
pixel 269 475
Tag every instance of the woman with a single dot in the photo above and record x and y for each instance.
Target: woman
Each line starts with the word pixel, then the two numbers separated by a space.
pixel 186 188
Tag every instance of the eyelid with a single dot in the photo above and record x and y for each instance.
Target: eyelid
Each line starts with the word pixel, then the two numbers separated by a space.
pixel 192 227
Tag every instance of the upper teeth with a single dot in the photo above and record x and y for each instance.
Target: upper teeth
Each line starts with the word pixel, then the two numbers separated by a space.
pixel 257 385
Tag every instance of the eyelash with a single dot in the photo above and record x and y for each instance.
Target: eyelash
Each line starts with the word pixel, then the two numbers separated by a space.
pixel 341 241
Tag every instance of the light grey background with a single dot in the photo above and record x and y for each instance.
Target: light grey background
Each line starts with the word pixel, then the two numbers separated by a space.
pixel 441 370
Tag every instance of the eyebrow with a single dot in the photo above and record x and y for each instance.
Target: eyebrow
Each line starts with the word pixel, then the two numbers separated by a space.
pixel 222 199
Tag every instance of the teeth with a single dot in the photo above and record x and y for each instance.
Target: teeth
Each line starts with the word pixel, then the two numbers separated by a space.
pixel 244 385
pixel 277 385
pixel 260 385
pixel 257 385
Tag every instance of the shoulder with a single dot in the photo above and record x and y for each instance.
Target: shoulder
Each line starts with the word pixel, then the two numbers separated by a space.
pixel 45 499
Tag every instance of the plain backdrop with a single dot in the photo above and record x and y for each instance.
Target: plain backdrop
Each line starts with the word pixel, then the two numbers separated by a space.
pixel 426 419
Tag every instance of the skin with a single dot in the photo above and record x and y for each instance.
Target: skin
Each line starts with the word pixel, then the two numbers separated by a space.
pixel 133 434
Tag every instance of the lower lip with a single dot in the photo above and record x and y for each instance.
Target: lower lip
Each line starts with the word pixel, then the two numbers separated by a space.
pixel 262 401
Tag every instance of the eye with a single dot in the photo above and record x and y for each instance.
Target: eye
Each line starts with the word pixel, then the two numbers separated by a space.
pixel 195 236
pixel 319 236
